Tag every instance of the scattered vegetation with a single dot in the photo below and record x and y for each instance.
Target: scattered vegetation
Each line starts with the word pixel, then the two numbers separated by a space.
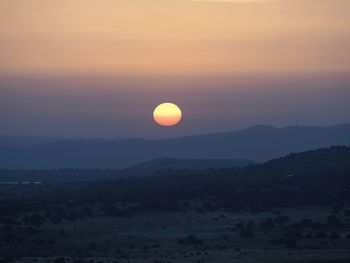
pixel 289 208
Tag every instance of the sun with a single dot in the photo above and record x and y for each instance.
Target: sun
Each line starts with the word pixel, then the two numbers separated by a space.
pixel 167 114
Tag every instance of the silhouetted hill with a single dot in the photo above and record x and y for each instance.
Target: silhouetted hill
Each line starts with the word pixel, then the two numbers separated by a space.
pixel 318 177
pixel 259 143
pixel 314 177
pixel 318 161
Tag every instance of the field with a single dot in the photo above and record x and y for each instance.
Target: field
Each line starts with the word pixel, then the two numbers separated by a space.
pixel 304 234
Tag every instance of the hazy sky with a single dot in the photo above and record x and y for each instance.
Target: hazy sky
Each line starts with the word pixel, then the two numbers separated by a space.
pixel 122 106
pixel 97 68
pixel 174 36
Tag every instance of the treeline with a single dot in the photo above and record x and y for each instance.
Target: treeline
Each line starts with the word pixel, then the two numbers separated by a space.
pixel 319 177
pixel 58 175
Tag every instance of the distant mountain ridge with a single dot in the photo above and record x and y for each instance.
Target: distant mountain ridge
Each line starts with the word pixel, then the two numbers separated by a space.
pixel 24 141
pixel 258 143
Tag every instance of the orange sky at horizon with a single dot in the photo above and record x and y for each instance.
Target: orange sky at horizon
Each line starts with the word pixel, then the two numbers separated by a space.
pixel 174 36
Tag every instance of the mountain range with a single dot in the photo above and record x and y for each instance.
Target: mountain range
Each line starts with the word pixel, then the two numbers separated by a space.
pixel 258 143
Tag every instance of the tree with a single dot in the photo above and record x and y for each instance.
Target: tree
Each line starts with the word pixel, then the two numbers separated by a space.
pixel 60 260
pixel 245 233
pixel 35 219
pixel 334 221
pixel 190 240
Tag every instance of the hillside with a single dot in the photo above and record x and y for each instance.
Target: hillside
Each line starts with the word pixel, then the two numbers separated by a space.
pixel 309 178
pixel 258 143
pixel 316 176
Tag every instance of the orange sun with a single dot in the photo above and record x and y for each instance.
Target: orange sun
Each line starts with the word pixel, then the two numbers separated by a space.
pixel 167 114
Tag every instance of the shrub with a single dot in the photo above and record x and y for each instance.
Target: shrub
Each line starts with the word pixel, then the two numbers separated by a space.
pixel 334 221
pixel 190 240
pixel 60 260
pixel 245 233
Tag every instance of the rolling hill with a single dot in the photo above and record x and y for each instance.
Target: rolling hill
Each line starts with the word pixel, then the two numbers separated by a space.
pixel 258 143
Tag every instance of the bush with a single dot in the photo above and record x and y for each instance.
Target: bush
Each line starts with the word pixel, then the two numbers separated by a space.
pixel 280 220
pixel 245 233
pixel 305 223
pixel 334 221
pixel 334 235
pixel 287 242
pixel 60 260
pixel 34 219
pixel 190 240
pixel 267 223
pixel 321 235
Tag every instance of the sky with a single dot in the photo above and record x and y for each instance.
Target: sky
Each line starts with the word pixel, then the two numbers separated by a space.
pixel 88 68
pixel 174 36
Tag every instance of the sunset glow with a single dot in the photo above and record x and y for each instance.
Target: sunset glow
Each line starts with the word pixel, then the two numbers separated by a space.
pixel 165 37
pixel 98 68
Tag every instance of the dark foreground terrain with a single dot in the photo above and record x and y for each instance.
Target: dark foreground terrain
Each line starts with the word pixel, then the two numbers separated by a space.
pixel 293 209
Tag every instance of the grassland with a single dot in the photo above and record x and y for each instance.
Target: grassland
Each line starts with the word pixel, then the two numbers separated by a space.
pixel 186 237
